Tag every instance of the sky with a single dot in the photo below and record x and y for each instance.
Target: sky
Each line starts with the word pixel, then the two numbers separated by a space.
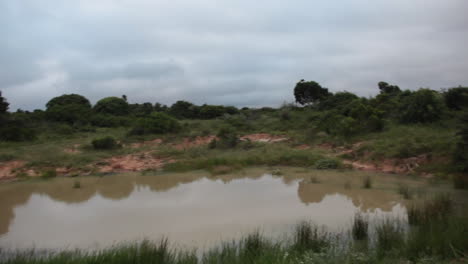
pixel 232 52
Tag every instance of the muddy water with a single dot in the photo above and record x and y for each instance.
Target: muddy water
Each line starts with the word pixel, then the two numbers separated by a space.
pixel 191 209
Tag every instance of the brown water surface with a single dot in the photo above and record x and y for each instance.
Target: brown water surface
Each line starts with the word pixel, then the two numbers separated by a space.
pixel 191 209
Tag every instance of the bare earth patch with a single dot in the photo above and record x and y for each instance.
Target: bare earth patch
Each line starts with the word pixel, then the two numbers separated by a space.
pixel 190 143
pixel 264 137
pixel 9 169
pixel 134 162
pixel 73 150
pixel 153 142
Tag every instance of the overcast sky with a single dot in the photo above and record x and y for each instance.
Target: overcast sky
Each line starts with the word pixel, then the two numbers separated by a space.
pixel 239 52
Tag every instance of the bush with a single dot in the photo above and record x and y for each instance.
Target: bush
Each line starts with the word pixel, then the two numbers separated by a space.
pixel 156 123
pixel 105 143
pixel 16 131
pixel 68 108
pixel 456 98
pixel 49 174
pixel 324 164
pixel 107 120
pixel 422 106
pixel 227 138
pixel 112 106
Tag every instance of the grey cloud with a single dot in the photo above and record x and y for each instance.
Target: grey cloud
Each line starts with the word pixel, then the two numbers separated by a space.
pixel 235 52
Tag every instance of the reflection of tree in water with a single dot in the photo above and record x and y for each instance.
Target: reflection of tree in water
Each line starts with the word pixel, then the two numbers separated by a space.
pixel 366 199
pixel 115 189
pixel 10 197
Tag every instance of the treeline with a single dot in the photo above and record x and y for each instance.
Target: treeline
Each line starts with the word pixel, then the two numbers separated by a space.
pixel 345 114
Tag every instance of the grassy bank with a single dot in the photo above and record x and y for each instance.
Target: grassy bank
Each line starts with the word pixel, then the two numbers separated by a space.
pixel 439 239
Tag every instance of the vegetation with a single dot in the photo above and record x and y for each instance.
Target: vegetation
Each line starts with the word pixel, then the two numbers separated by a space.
pixel 105 143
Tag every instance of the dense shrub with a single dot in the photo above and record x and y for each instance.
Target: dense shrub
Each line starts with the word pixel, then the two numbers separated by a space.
pixel 156 123
pixel 211 111
pixel 105 143
pixel 112 106
pixel 68 108
pixel 324 164
pixel 13 130
pixel 422 106
pixel 183 109
pixel 107 120
pixel 227 138
pixel 456 98
pixel 337 101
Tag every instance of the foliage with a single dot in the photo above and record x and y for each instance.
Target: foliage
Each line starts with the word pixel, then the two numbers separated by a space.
pixel 14 130
pixel 3 104
pixel 422 106
pixel 456 98
pixel 107 120
pixel 184 109
pixel 156 123
pixel 69 108
pixel 309 92
pixel 227 138
pixel 112 106
pixel 211 111
pixel 337 101
pixel 105 143
pixel 324 164
pixel 360 227
pixel 386 88
pixel 460 157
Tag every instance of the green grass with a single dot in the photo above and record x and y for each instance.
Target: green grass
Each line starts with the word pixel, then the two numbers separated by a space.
pixel 404 141
pixel 265 154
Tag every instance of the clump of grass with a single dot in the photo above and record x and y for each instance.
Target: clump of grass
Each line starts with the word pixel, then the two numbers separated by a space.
pixel 49 174
pixel 439 208
pixel 405 191
pixel 389 237
pixel 367 182
pixel 308 237
pixel 6 157
pixel 105 143
pixel 324 164
pixel 276 172
pixel 360 227
pixel 76 185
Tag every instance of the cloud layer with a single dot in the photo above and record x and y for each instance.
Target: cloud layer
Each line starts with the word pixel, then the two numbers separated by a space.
pixel 243 53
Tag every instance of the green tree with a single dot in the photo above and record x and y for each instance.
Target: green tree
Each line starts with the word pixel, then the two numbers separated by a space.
pixel 386 88
pixel 3 104
pixel 456 98
pixel 184 109
pixel 309 92
pixel 422 106
pixel 69 108
pixel 112 106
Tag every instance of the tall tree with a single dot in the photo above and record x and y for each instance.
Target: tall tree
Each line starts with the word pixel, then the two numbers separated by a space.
pixel 3 104
pixel 309 92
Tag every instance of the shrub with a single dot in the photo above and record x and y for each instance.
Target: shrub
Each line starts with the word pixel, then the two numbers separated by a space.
pixel 105 143
pixel 456 98
pixel 49 174
pixel 68 108
pixel 324 164
pixel 227 138
pixel 112 106
pixel 422 106
pixel 156 123
pixel 16 131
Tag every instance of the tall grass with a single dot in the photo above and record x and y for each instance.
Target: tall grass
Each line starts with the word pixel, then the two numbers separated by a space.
pixel 360 227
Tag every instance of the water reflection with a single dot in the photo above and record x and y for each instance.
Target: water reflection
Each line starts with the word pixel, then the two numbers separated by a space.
pixel 190 208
